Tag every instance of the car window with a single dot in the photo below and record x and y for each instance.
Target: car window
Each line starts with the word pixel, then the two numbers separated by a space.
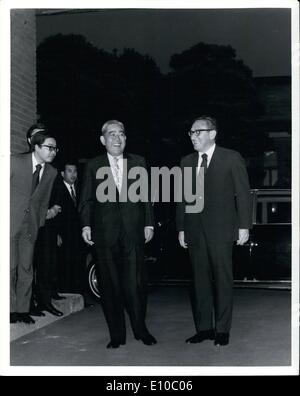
pixel 273 209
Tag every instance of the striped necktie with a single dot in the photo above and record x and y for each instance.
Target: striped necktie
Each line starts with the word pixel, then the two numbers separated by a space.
pixel 117 173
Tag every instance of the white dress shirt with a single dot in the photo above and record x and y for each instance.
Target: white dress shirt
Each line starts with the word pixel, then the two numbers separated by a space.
pixel 209 154
pixel 69 188
pixel 35 163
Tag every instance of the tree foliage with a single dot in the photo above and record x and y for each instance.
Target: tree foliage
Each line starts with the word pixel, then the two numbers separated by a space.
pixel 81 86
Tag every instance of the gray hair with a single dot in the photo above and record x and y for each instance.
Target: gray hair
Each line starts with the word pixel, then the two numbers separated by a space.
pixel 212 122
pixel 111 122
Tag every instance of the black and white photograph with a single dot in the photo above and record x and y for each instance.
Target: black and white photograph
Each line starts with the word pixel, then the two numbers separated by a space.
pixel 150 209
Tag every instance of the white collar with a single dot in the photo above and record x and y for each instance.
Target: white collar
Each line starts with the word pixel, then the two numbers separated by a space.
pixel 69 185
pixel 35 162
pixel 111 157
pixel 209 152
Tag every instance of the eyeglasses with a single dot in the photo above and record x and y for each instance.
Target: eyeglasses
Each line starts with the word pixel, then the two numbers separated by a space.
pixel 197 132
pixel 50 148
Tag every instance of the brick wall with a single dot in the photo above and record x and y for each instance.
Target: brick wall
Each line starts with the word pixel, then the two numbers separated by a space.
pixel 23 76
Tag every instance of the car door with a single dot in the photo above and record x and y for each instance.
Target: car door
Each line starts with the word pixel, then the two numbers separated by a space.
pixel 267 255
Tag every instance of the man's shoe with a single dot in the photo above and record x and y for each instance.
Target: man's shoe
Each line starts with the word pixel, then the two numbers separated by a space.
pixel 36 312
pixel 14 317
pixel 222 339
pixel 24 317
pixel 51 309
pixel 147 339
pixel 56 296
pixel 201 336
pixel 114 344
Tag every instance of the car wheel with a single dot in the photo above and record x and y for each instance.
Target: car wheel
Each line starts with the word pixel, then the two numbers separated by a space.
pixel 93 282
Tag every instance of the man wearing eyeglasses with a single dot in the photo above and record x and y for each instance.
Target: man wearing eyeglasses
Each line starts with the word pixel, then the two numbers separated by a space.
pixel 118 229
pixel 31 182
pixel 209 235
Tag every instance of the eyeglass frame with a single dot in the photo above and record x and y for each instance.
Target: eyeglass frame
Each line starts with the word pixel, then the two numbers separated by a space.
pixel 50 148
pixel 198 131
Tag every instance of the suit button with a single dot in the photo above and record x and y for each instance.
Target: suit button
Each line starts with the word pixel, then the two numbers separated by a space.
pixel 26 210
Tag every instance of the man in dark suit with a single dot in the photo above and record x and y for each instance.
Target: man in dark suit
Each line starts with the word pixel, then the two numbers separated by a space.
pixel 71 269
pixel 45 263
pixel 118 228
pixel 31 182
pixel 210 233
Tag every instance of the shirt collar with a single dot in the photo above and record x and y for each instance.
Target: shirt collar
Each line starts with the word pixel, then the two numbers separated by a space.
pixel 111 157
pixel 209 152
pixel 69 185
pixel 35 163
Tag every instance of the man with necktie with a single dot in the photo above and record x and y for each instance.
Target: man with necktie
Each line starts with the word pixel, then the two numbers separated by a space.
pixel 31 182
pixel 118 229
pixel 71 269
pixel 209 234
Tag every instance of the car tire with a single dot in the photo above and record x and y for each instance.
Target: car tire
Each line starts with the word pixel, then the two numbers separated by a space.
pixel 93 283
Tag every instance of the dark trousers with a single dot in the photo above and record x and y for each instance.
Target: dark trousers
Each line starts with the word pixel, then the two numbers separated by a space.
pixel 71 268
pixel 45 265
pixel 212 286
pixel 121 273
pixel 21 271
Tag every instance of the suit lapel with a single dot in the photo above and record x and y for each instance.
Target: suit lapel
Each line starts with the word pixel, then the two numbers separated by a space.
pixel 27 173
pixel 67 194
pixel 44 180
pixel 215 159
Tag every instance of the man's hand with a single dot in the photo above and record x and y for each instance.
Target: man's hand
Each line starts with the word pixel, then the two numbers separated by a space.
pixel 243 236
pixel 181 240
pixel 149 232
pixel 52 212
pixel 87 235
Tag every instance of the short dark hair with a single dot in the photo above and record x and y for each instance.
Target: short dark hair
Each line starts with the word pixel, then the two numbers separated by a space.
pixel 212 122
pixel 63 165
pixel 37 134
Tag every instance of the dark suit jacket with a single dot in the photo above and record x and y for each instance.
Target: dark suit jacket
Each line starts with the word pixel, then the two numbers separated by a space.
pixel 21 202
pixel 106 219
pixel 227 206
pixel 68 221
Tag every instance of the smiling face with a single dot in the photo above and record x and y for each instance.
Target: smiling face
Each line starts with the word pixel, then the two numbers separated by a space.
pixel 206 137
pixel 114 139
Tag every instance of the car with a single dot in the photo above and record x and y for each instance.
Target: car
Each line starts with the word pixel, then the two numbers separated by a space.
pixel 264 261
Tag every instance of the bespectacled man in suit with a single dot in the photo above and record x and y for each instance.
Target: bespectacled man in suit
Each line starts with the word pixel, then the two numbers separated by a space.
pixel 209 234
pixel 118 229
pixel 31 182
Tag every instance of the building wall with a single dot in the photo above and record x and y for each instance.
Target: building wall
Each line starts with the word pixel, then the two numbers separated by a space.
pixel 23 76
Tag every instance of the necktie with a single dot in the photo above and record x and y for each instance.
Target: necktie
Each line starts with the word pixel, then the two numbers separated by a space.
pixel 117 173
pixel 204 162
pixel 36 177
pixel 73 195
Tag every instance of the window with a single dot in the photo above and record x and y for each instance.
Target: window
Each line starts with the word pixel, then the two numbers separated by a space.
pixel 273 209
